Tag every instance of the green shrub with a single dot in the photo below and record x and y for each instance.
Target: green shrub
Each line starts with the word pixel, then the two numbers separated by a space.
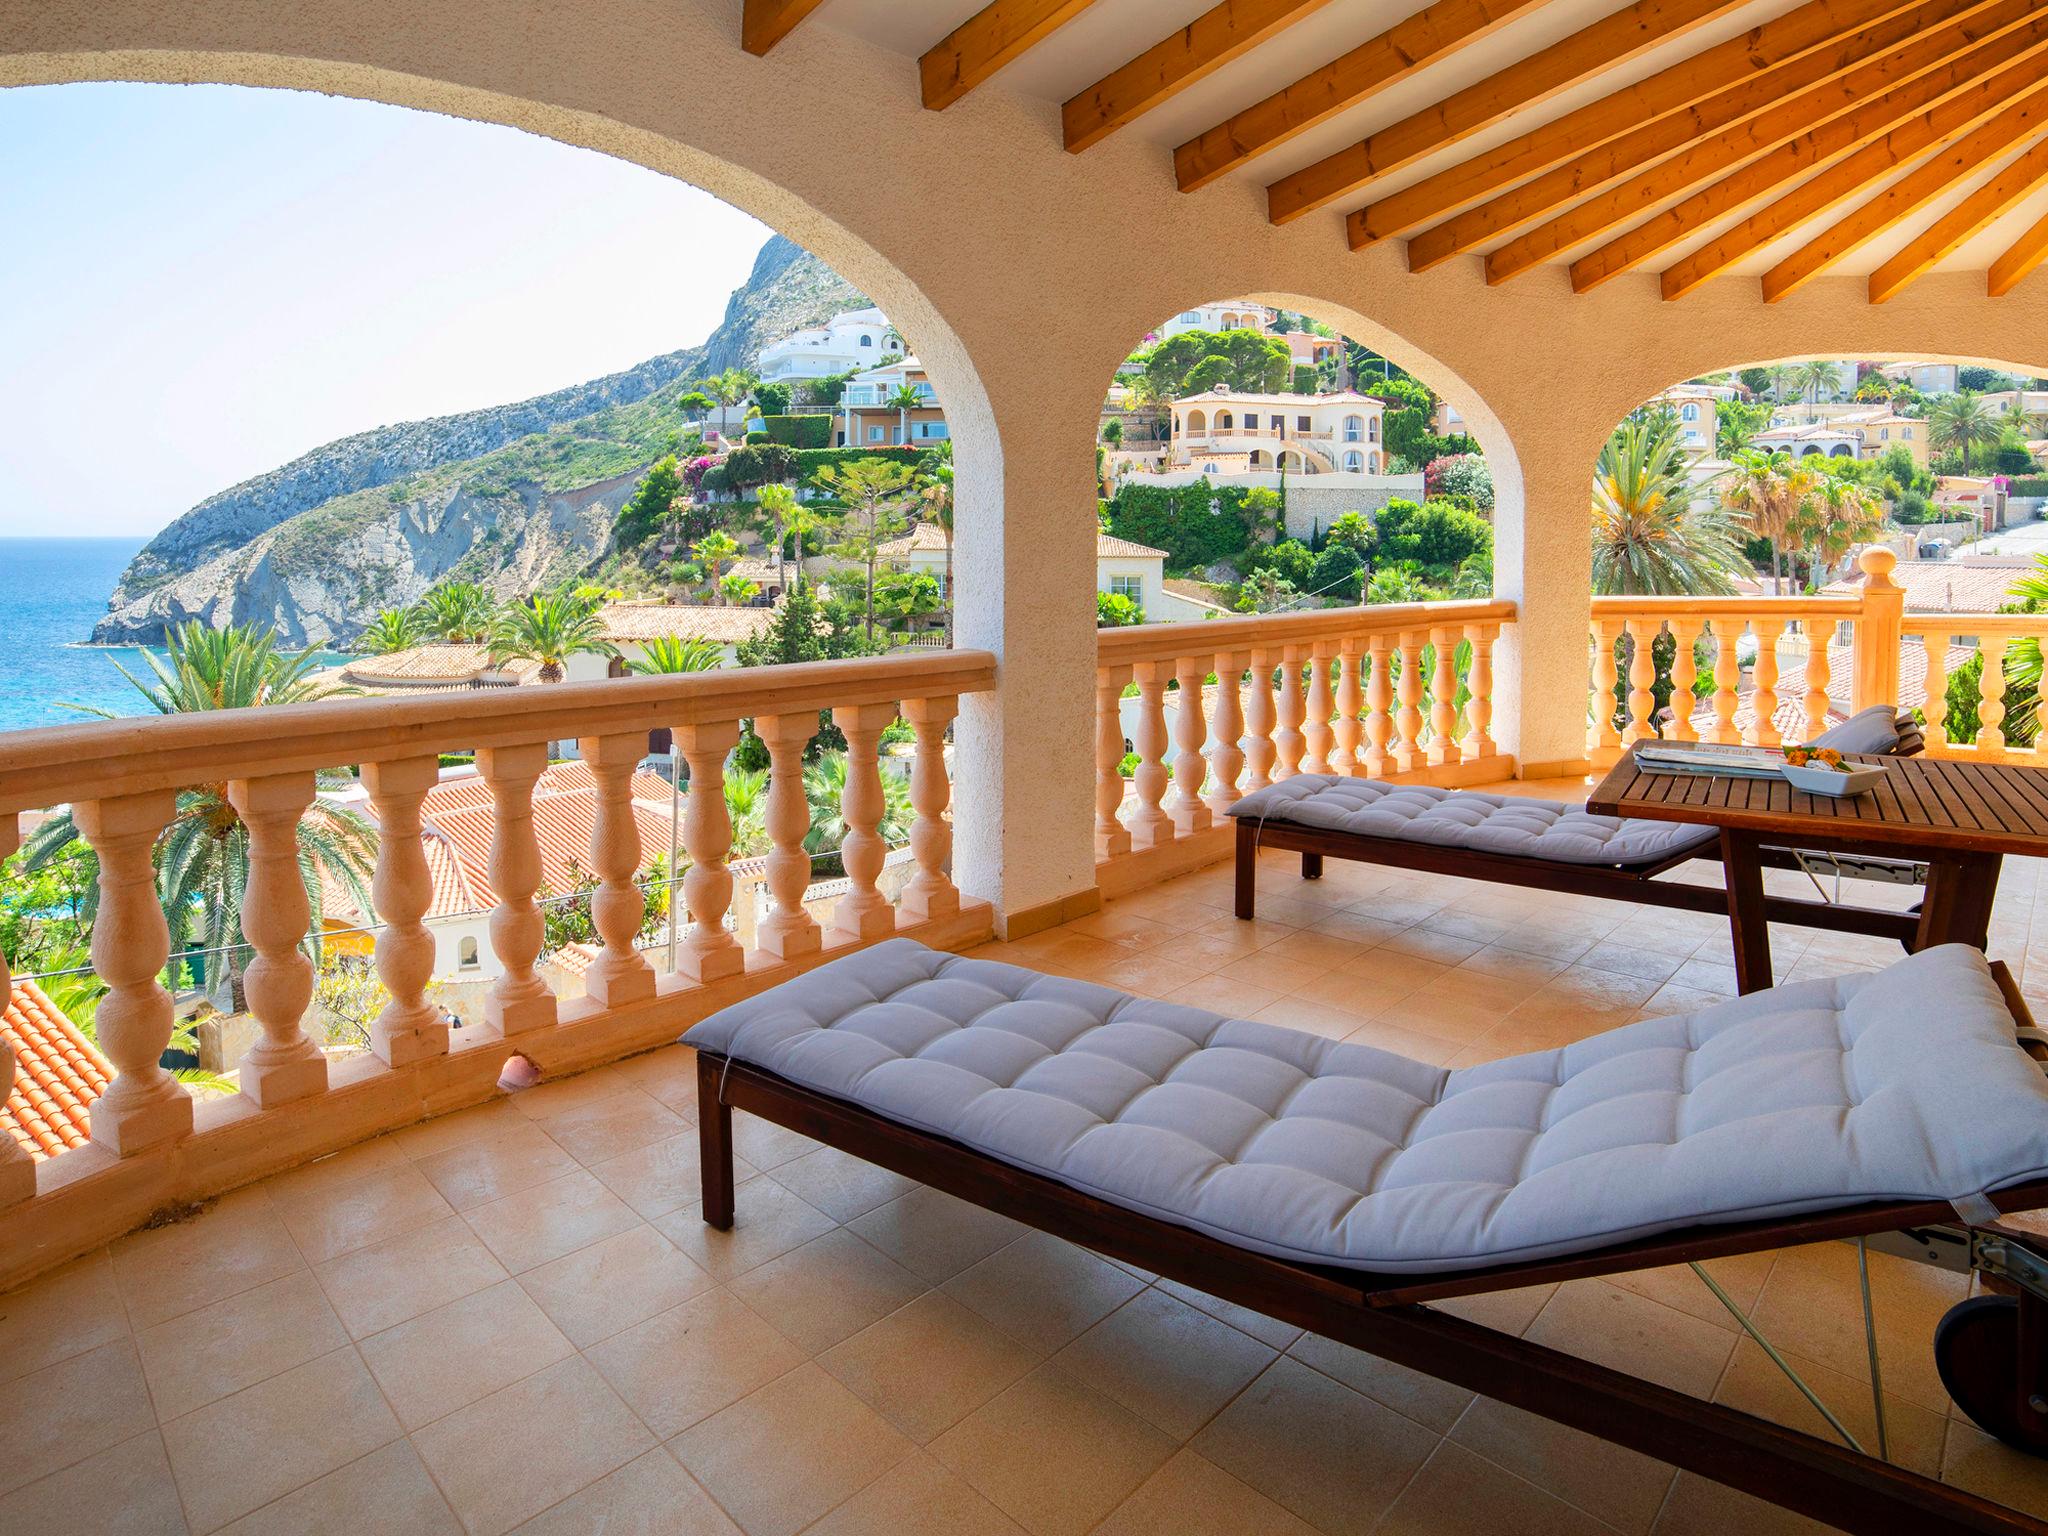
pixel 800 432
pixel 2029 485
pixel 1337 573
pixel 1115 611
pixel 1197 525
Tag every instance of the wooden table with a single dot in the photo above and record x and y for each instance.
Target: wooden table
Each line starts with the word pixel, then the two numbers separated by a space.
pixel 1960 818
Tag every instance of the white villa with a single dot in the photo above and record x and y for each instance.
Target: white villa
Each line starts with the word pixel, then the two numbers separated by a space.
pixel 1223 431
pixel 868 419
pixel 1227 315
pixel 1132 570
pixel 855 338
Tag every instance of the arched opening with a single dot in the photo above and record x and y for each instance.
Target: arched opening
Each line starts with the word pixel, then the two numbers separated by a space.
pixel 1225 421
pixel 1354 461
pixel 1354 429
pixel 1197 422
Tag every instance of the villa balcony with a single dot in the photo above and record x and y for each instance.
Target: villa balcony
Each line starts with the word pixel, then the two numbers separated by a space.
pixel 395 1289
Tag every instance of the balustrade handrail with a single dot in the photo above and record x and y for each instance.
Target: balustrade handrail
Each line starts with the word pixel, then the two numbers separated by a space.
pixel 103 758
pixel 1765 606
pixel 1169 642
pixel 2008 624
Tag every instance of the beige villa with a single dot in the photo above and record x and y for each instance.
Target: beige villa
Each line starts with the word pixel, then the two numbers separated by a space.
pixel 468 1284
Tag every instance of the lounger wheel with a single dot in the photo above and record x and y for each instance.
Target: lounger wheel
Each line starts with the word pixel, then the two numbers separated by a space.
pixel 1977 1352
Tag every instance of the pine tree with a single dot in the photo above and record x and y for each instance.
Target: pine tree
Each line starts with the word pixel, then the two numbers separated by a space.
pixel 644 514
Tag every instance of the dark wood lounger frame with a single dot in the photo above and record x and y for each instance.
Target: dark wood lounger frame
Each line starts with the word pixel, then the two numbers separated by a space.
pixel 1384 1315
pixel 1638 883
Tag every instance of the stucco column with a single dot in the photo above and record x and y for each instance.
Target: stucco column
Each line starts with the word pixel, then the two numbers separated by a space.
pixel 1024 569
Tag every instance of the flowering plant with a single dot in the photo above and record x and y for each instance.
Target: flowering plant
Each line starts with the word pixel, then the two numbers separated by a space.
pixel 1816 757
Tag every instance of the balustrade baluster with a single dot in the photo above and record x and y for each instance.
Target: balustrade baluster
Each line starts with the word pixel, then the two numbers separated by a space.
pixel 620 974
pixel 1603 742
pixel 519 999
pixel 1288 740
pixel 1479 683
pixel 1764 701
pixel 1316 734
pixel 409 1028
pixel 709 952
pixel 17 1168
pixel 931 892
pixel 1226 728
pixel 1259 722
pixel 1685 672
pixel 788 932
pixel 1443 701
pixel 1936 731
pixel 1350 700
pixel 1408 753
pixel 283 1064
pixel 1189 733
pixel 863 912
pixel 144 1106
pixel 1150 825
pixel 1111 836
pixel 1991 699
pixel 1642 679
pixel 1814 707
pixel 1727 679
pixel 1379 700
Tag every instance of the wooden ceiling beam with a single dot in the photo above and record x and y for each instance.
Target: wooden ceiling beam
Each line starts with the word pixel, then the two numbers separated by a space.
pixel 767 22
pixel 1813 25
pixel 1952 165
pixel 1612 40
pixel 1433 33
pixel 992 37
pixel 2027 253
pixel 1845 178
pixel 1977 212
pixel 1212 40
pixel 1866 102
pixel 1818 73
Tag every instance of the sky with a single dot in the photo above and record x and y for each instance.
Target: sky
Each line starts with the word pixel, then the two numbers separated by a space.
pixel 199 283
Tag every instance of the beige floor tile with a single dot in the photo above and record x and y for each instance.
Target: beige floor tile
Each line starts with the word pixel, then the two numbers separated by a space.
pixel 670 1074
pixel 450 1357
pixel 125 1490
pixel 934 1235
pixel 1096 1452
pixel 528 1446
pixel 691 1361
pixel 1121 926
pixel 517 1157
pixel 1530 953
pixel 765 1144
pixel 1812 1306
pixel 1612 1327
pixel 66 1412
pixel 598 1291
pixel 1152 974
pixel 613 1126
pixel 386 1491
pixel 65 1313
pixel 1431 1403
pixel 1701 975
pixel 1458 1494
pixel 1975 1461
pixel 827 1290
pixel 1742 1277
pixel 1268 1331
pixel 1674 997
pixel 245 1451
pixel 383 1285
pixel 558 1096
pixel 1598 998
pixel 659 1179
pixel 1435 944
pixel 1634 958
pixel 465 1125
pixel 1698 1507
pixel 779 1459
pixel 1756 1386
pixel 1234 999
pixel 236 1243
pixel 1311 1018
pixel 250 1337
pixel 1331 1456
pixel 1359 928
pixel 378 1155
pixel 768 1221
pixel 1322 951
pixel 649 1496
pixel 1266 970
pixel 928 1365
pixel 840 1184
pixel 530 1228
pixel 327 1223
pixel 1382 1035
pixel 1043 1292
pixel 1193 1497
pixel 1608 1481
pixel 1172 1365
pixel 916 1497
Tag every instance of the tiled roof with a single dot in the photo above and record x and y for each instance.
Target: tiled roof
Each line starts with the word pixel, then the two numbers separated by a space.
pixel 58 1073
pixel 1947 586
pixel 626 622
pixel 1106 545
pixel 1791 688
pixel 930 539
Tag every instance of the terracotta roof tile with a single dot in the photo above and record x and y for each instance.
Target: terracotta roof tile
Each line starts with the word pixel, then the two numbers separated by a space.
pixel 58 1073
pixel 626 622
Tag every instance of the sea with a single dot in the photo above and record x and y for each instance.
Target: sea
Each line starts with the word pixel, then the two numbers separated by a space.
pixel 52 592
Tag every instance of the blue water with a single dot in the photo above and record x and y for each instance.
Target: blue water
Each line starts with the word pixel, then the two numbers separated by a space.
pixel 52 592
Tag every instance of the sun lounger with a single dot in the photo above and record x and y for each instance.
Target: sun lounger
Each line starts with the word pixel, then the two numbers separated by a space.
pixel 1337 1186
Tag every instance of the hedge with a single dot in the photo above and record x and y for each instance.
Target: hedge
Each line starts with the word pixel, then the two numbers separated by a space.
pixel 2029 485
pixel 800 432
pixel 810 460
pixel 1197 525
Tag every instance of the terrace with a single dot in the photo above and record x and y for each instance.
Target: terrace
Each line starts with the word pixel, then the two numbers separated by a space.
pixel 423 1302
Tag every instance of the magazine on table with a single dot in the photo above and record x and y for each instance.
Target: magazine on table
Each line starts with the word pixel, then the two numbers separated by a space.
pixel 1724 760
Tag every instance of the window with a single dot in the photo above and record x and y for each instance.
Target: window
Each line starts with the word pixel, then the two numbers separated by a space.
pixel 874 434
pixel 1372 430
pixel 867 341
pixel 1223 421
pixel 1372 463
pixel 1279 425
pixel 1691 413
pixel 1301 424
pixel 929 429
pixel 1208 469
pixel 1132 587
pixel 466 956
pixel 1354 461
pixel 1191 317
pixel 1354 429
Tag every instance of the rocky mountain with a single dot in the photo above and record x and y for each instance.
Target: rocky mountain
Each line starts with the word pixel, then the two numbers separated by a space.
pixel 512 496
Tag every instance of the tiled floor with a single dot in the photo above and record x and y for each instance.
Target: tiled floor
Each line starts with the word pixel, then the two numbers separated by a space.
pixel 513 1318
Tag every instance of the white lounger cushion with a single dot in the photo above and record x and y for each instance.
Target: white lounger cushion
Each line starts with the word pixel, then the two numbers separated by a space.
pixel 1464 818
pixel 1903 1084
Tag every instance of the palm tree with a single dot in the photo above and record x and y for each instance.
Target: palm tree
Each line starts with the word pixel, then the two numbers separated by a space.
pixel 746 802
pixel 825 789
pixel 1835 517
pixel 1765 495
pixel 871 488
pixel 715 551
pixel 666 655
pixel 458 612
pixel 77 992
pixel 736 591
pixel 394 629
pixel 936 501
pixel 202 857
pixel 1780 376
pixel 906 399
pixel 1958 424
pixel 1652 536
pixel 2023 659
pixel 773 504
pixel 2019 423
pixel 1817 378
pixel 549 628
